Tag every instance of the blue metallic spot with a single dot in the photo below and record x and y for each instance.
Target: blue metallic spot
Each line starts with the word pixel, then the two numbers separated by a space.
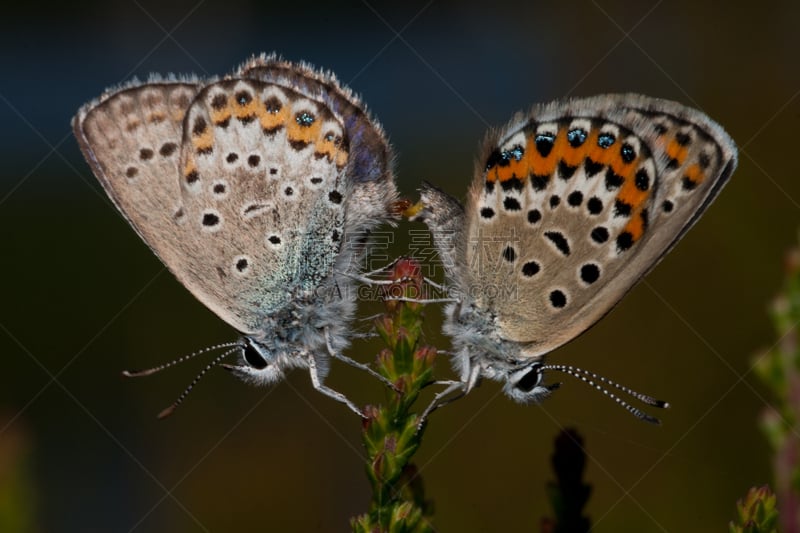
pixel 627 152
pixel 576 137
pixel 305 119
pixel 545 137
pixel 605 140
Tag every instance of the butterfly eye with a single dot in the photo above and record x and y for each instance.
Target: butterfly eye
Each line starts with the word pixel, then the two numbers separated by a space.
pixel 254 358
pixel 531 379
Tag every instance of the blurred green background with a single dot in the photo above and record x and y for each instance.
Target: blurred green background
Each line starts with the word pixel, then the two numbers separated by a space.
pixel 84 298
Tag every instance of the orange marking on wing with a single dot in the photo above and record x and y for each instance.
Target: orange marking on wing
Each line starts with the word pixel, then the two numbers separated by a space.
pixel 632 195
pixel 492 175
pixel 695 173
pixel 307 134
pixel 676 151
pixel 538 165
pixel 203 141
pixel 326 148
pixel 222 114
pixel 635 225
pixel 189 167
pixel 330 145
pixel 270 121
pixel 515 169
pixel 626 170
pixel 248 110
pixel 571 156
pixel 598 154
pixel 619 166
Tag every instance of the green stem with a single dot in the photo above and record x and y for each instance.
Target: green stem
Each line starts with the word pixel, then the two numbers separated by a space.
pixel 393 434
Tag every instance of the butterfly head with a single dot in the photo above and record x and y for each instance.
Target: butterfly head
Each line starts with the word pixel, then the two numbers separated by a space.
pixel 256 363
pixel 526 384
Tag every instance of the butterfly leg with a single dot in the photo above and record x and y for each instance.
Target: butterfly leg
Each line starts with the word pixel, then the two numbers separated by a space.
pixel 316 381
pixel 437 286
pixel 368 335
pixel 370 318
pixel 383 268
pixel 440 399
pixel 355 364
pixel 367 277
pixel 363 278
pixel 468 382
pixel 423 301
pixel 442 382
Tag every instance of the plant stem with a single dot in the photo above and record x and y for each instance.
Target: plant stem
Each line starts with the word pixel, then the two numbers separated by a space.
pixel 393 434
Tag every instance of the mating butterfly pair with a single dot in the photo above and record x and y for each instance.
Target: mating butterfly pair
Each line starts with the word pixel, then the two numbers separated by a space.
pixel 250 187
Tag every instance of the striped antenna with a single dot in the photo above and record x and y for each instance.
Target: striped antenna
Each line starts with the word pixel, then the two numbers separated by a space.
pixel 149 371
pixel 169 410
pixel 591 378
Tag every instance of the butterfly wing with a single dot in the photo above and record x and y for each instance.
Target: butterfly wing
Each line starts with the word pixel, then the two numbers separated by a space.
pixel 131 138
pixel 575 201
pixel 245 196
pixel 368 166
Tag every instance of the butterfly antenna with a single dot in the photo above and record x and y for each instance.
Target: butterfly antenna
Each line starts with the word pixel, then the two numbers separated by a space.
pixel 149 371
pixel 590 378
pixel 217 360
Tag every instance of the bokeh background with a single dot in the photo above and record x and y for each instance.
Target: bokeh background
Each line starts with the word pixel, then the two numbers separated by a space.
pixel 83 297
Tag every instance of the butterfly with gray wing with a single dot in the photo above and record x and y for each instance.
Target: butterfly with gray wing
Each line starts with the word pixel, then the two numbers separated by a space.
pixel 258 191
pixel 571 204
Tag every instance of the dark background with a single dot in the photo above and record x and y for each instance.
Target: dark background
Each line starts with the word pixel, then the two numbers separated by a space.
pixel 83 297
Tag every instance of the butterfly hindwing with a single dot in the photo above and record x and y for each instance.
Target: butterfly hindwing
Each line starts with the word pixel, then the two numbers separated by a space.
pixel 261 174
pixel 575 201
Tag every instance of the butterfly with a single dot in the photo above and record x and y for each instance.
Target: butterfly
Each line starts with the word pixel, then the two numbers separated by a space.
pixel 258 191
pixel 571 204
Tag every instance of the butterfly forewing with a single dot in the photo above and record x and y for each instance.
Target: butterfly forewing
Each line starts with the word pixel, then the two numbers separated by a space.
pixel 576 201
pixel 132 138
